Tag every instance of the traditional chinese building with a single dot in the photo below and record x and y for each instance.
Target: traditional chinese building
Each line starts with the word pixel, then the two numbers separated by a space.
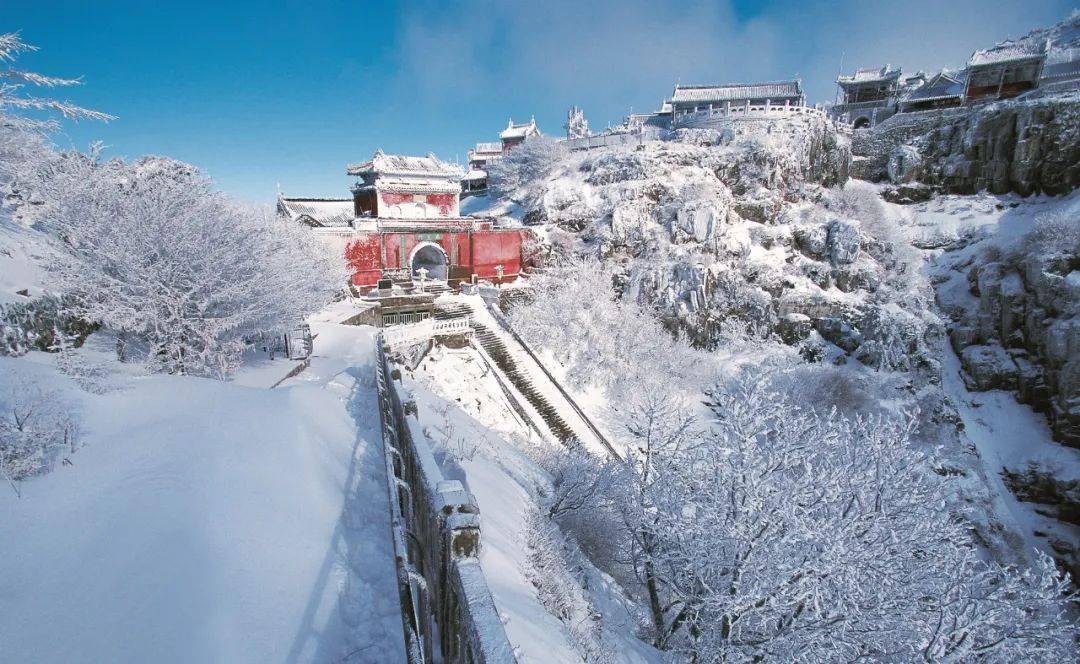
pixel 692 98
pixel 869 95
pixel 404 216
pixel 516 134
pixel 1006 70
pixel 480 157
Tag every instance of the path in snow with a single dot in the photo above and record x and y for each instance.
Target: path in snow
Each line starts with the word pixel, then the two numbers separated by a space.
pixel 208 522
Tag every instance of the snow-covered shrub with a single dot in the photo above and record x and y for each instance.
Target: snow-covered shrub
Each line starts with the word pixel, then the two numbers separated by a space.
pixel 790 534
pixel 892 338
pixel 38 324
pixel 524 164
pixel 554 567
pixel 611 166
pixel 37 426
pixel 154 253
pixel 1053 233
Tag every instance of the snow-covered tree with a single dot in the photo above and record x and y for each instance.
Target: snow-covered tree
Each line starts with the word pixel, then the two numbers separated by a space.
pixel 524 164
pixel 13 82
pixel 657 425
pixel 792 535
pixel 602 337
pixel 576 124
pixel 23 141
pixel 156 255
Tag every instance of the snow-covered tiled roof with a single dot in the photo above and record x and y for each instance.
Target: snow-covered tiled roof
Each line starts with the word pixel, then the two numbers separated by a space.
pixel 1010 52
pixel 318 211
pixel 867 75
pixel 943 85
pixel 519 130
pixel 393 163
pixel 738 91
pixel 482 148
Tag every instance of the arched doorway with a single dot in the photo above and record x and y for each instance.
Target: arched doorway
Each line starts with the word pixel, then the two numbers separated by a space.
pixel 432 258
pixel 862 123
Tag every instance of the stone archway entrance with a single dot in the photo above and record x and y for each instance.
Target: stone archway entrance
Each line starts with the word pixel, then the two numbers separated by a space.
pixel 862 123
pixel 432 258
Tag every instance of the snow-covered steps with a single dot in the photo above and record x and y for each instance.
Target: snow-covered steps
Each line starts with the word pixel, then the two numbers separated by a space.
pixel 527 376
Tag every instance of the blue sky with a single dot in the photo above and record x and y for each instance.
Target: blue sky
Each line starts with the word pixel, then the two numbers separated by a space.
pixel 258 93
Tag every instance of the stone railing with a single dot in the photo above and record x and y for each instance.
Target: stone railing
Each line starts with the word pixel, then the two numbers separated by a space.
pixel 436 534
pixel 425 329
pixel 610 140
pixel 703 117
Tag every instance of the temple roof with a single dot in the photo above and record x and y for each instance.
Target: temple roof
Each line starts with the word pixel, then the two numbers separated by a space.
pixel 737 91
pixel 382 163
pixel 488 148
pixel 318 211
pixel 519 130
pixel 1010 52
pixel 869 75
pixel 943 85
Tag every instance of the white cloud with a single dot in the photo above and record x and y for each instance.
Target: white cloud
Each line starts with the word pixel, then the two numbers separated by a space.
pixel 608 55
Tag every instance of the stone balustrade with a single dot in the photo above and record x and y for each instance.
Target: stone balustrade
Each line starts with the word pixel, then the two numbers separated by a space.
pixel 436 535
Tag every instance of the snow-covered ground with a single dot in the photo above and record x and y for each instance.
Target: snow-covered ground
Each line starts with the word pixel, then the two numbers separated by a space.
pixel 22 252
pixel 481 441
pixel 207 521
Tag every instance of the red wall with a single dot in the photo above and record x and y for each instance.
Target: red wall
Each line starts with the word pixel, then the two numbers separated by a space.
pixel 477 252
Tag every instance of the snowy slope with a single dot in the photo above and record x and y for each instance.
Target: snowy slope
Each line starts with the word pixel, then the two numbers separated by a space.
pixel 21 255
pixel 208 522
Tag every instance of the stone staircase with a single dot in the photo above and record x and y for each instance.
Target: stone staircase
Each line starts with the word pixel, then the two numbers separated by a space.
pixel 497 351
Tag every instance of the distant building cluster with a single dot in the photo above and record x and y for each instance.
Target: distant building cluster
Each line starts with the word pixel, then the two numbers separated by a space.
pixel 871 95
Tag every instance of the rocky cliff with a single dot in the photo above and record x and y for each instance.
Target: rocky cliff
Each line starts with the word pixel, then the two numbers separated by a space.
pixel 1027 146
pixel 1020 332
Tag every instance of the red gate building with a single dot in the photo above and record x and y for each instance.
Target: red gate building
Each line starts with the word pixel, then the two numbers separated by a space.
pixel 404 216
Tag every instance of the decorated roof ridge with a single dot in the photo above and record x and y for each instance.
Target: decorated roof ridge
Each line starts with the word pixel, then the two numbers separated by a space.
pixel 944 84
pixel 1010 51
pixel 318 211
pixel 519 130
